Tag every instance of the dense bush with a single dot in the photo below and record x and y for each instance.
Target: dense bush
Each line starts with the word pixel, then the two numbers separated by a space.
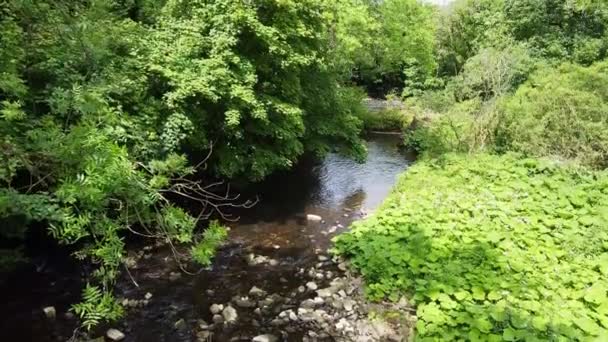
pixel 491 248
pixel 560 112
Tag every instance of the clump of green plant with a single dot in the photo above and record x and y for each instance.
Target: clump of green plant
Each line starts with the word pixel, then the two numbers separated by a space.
pixel 491 248
pixel 204 251
pixel 97 306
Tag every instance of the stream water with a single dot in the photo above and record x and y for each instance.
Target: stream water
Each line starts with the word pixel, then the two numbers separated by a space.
pixel 275 231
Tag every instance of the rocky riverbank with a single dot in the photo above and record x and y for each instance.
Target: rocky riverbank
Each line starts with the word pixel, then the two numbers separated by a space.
pixel 329 306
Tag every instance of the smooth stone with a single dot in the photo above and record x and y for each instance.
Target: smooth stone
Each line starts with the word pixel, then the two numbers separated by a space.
pixel 265 338
pixel 314 218
pixel 115 334
pixel 148 296
pixel 256 291
pixel 311 286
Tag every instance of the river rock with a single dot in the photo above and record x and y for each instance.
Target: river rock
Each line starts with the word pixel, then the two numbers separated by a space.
pixel 50 312
pixel 265 338
pixel 348 304
pixel 180 324
pixel 253 259
pixel 115 334
pixel 314 218
pixel 256 291
pixel 230 315
pixel 148 296
pixel 311 286
pixel 216 308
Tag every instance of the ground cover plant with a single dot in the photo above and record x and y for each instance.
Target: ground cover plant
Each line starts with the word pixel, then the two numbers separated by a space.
pixel 491 248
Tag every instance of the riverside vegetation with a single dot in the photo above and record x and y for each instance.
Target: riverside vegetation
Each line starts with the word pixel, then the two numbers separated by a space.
pixel 114 113
pixel 499 233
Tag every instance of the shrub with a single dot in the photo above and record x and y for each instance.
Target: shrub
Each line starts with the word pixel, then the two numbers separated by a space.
pixel 491 248
pixel 560 112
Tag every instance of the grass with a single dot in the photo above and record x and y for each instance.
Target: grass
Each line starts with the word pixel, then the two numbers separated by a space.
pixel 388 120
pixel 491 248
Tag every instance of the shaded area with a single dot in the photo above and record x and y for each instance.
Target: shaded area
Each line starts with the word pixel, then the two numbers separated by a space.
pixel 276 228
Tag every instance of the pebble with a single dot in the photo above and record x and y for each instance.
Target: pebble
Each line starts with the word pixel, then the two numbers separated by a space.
pixel 148 296
pixel 265 338
pixel 256 291
pixel 311 286
pixel 180 324
pixel 50 312
pixel 348 304
pixel 314 218
pixel 115 334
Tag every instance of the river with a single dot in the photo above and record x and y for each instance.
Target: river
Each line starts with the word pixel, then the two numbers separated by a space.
pixel 271 247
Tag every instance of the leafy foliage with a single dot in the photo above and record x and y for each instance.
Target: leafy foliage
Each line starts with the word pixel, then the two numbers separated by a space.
pixel 385 45
pixel 560 112
pixel 97 306
pixel 204 251
pixel 491 248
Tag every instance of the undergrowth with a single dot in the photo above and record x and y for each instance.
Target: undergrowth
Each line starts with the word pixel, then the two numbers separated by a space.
pixel 491 248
